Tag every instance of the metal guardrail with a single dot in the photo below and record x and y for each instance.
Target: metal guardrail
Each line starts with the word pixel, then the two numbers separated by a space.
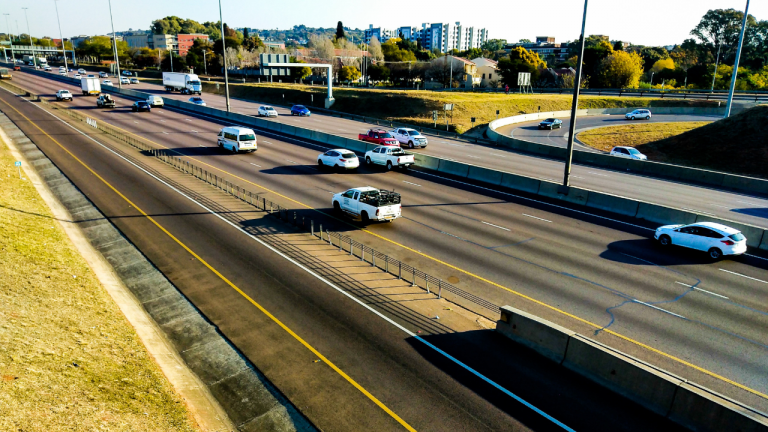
pixel 403 271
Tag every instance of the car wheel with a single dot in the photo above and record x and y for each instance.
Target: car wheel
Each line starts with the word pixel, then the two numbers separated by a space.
pixel 632 118
pixel 368 161
pixel 715 253
pixel 336 167
pixel 336 207
pixel 647 117
pixel 665 240
pixel 364 217
pixel 410 144
pixel 320 163
pixel 539 127
pixel 234 149
pixel 389 165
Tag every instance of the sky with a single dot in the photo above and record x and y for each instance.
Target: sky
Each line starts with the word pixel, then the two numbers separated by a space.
pixel 647 22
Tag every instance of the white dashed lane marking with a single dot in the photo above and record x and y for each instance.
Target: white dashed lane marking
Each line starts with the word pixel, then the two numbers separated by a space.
pixel 702 290
pixel 744 276
pixel 412 183
pixel 496 226
pixel 537 218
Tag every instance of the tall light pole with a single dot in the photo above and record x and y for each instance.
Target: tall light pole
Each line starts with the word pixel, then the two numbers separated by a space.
pixel 32 46
pixel 717 59
pixel 114 46
pixel 61 35
pixel 736 63
pixel 575 104
pixel 224 56
pixel 205 63
pixel 9 36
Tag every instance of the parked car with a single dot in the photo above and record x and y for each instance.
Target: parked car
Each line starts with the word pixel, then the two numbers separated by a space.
pixel 300 110
pixel 628 152
pixel 410 137
pixel 107 82
pixel 134 80
pixel 127 73
pixel 124 80
pixel 379 136
pixel 63 95
pixel 140 106
pixel 638 114
pixel 81 71
pixel 103 75
pixel 338 158
pixel 390 157
pixel 267 111
pixel 197 101
pixel 714 238
pixel 236 139
pixel 155 101
pixel 551 123
pixel 105 101
pixel 367 204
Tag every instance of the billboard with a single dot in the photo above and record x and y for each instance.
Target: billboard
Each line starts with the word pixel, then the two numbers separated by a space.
pixel 523 78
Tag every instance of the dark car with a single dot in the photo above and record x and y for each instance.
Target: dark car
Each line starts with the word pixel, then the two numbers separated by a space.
pixel 300 110
pixel 551 123
pixel 139 106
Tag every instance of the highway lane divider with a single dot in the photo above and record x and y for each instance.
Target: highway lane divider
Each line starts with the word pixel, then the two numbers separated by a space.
pixel 722 180
pixel 684 402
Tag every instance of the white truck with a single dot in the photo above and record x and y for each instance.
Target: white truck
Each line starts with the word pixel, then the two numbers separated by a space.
pixel 410 137
pixel 390 157
pixel 368 204
pixel 90 86
pixel 39 60
pixel 183 82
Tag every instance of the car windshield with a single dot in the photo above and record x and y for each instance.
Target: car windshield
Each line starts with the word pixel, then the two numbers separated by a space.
pixel 633 151
pixel 195 82
pixel 270 109
pixel 737 237
pixel 248 137
pixel 414 133
pixel 549 120
pixel 385 135
pixel 299 107
pixel 348 155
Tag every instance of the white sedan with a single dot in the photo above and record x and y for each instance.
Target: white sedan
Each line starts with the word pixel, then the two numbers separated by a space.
pixel 107 82
pixel 628 152
pixel 338 158
pixel 78 76
pixel 81 71
pixel 103 75
pixel 267 111
pixel 714 238
pixel 125 81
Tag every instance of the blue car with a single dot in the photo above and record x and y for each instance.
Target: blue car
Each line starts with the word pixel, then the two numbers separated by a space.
pixel 300 110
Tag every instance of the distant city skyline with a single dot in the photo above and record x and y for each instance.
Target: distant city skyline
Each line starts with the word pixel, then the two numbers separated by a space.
pixel 652 22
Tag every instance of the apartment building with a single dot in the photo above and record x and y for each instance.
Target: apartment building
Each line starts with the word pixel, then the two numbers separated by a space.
pixel 138 41
pixel 545 47
pixel 185 41
pixel 441 36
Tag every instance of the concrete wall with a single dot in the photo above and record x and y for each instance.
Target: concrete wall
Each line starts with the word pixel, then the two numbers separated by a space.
pixel 684 402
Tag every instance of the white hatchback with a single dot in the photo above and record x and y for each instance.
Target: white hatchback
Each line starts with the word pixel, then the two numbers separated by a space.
pixel 338 158
pixel 714 238
pixel 267 111
pixel 81 71
pixel 628 152
pixel 638 114
pixel 107 82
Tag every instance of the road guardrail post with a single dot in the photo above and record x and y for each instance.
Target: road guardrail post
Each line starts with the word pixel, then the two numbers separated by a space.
pixel 350 246
pixel 426 280
pixel 440 289
pixel 399 270
pixel 312 227
pixel 413 279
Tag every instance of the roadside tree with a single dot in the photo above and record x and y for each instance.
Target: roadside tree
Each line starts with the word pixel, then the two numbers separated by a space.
pixel 349 73
pixel 620 70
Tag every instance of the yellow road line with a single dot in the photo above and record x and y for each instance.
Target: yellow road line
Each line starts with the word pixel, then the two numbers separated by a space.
pixel 538 302
pixel 228 282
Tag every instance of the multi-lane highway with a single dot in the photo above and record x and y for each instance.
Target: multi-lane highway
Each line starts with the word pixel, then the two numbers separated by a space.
pixel 372 376
pixel 724 204
pixel 704 321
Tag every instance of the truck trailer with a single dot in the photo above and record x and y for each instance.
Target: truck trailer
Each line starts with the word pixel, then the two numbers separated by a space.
pixel 90 86
pixel 183 82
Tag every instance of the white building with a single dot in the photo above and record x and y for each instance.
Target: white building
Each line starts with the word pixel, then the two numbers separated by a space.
pixel 443 36
pixel 381 34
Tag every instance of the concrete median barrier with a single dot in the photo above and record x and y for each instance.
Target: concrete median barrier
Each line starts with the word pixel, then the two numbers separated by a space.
pixel 520 183
pixel 701 409
pixel 427 162
pixel 485 175
pixel 625 375
pixel 453 168
pixel 741 183
pixel 569 194
pixel 542 336
pixel 664 215
pixel 764 242
pixel 612 203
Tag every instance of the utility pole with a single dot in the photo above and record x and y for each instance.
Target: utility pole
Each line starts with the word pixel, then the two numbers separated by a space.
pixel 9 36
pixel 31 45
pixel 717 59
pixel 170 55
pixel 576 88
pixel 736 63
pixel 224 56
pixel 205 63
pixel 61 35
pixel 114 45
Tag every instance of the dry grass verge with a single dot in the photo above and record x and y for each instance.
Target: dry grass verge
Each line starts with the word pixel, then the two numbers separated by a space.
pixel 69 360
pixel 605 138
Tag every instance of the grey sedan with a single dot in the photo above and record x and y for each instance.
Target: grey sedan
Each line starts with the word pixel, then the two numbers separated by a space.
pixel 551 123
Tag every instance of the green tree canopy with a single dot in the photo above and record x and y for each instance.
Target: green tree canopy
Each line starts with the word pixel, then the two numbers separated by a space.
pixel 349 73
pixel 393 53
pixel 340 31
pixel 620 70
pixel 520 60
pixel 494 45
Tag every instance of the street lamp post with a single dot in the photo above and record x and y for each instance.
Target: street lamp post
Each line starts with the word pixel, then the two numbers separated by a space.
pixel 712 89
pixel 31 45
pixel 205 63
pixel 61 35
pixel 736 63
pixel 114 46
pixel 224 56
pixel 575 104
pixel 13 55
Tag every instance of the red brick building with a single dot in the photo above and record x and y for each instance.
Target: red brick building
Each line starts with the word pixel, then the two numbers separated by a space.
pixel 186 41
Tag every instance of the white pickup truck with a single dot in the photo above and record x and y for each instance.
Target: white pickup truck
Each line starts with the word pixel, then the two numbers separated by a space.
pixel 390 157
pixel 409 137
pixel 368 204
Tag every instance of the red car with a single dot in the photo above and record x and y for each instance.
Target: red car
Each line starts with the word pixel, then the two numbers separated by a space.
pixel 18 68
pixel 380 137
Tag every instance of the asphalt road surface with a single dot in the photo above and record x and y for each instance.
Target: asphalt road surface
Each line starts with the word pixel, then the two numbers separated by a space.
pixel 401 384
pixel 711 315
pixel 529 131
pixel 705 200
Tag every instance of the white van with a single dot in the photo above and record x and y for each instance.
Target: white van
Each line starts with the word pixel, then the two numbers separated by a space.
pixel 155 101
pixel 236 139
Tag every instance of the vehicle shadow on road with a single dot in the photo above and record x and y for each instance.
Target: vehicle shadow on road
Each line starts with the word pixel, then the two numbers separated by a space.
pixel 646 252
pixel 752 211
pixel 562 394
pixel 298 169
